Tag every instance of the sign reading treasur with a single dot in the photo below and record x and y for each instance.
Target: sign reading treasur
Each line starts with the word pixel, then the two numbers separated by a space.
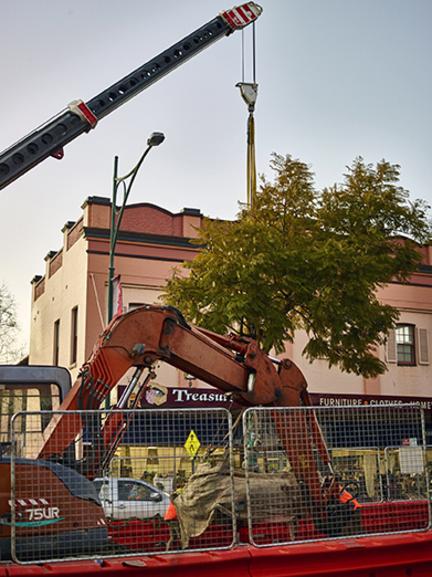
pixel 158 395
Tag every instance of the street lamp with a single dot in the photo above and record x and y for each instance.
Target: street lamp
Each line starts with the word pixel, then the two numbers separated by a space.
pixel 154 139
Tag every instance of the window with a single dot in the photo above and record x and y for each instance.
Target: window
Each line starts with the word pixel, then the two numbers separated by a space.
pixel 103 489
pixel 17 397
pixel 405 345
pixel 74 335
pixel 133 306
pixel 56 342
pixel 130 491
pixel 408 345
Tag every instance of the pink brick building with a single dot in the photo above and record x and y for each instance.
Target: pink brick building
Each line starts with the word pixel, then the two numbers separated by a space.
pixel 69 304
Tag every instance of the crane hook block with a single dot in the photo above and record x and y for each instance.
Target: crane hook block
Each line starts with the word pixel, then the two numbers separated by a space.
pixel 249 93
pixel 240 16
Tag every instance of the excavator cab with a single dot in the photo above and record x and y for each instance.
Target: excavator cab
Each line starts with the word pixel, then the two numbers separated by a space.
pixel 42 526
pixel 29 388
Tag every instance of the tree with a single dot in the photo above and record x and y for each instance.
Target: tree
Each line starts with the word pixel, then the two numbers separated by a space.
pixel 10 350
pixel 308 259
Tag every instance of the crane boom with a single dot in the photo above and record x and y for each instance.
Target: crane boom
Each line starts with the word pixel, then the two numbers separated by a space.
pixel 79 117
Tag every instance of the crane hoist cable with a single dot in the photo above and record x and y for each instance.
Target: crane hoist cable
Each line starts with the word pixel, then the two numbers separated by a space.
pixel 249 93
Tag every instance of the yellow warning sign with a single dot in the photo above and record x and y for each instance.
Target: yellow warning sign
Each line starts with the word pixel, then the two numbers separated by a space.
pixel 192 444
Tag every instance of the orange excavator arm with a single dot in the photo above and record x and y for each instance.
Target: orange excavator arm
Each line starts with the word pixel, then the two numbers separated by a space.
pixel 232 364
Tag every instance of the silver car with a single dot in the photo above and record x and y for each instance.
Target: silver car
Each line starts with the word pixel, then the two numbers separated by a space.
pixel 125 498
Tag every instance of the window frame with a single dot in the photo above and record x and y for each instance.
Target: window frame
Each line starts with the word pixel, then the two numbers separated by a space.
pixel 74 336
pixel 56 343
pixel 133 306
pixel 412 345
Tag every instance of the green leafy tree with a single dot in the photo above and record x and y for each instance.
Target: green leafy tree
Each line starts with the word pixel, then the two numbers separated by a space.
pixel 10 350
pixel 308 259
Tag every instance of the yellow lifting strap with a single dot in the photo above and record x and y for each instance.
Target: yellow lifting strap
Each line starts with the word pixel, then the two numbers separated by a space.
pixel 251 165
pixel 249 93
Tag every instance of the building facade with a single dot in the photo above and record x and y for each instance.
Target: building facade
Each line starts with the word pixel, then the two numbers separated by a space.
pixel 69 304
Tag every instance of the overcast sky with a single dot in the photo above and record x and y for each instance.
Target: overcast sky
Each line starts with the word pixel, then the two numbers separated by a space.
pixel 337 79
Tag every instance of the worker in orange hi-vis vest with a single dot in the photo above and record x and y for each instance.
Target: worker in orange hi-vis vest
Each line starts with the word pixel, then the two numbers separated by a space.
pixel 171 512
pixel 172 521
pixel 346 497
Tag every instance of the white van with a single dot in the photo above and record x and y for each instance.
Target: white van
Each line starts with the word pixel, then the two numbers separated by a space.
pixel 125 498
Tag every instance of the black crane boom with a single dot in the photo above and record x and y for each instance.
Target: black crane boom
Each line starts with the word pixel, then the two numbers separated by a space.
pixel 50 138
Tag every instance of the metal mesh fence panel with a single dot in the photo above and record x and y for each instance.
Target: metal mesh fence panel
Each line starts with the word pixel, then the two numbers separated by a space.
pixel 361 465
pixel 107 484
pixel 119 483
pixel 329 472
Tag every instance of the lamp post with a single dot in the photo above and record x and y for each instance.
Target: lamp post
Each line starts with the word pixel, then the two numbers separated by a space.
pixel 127 181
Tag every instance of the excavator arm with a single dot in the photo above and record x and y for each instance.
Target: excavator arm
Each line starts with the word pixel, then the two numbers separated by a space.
pixel 232 364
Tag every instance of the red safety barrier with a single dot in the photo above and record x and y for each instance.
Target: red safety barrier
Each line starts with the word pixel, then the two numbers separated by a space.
pixel 395 556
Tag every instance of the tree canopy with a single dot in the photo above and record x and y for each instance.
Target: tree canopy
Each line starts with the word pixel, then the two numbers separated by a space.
pixel 10 350
pixel 306 259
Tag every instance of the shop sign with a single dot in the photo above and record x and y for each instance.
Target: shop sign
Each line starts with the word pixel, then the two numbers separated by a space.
pixel 157 395
pixel 337 400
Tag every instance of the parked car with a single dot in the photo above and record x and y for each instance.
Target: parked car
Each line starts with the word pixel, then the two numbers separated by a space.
pixel 125 498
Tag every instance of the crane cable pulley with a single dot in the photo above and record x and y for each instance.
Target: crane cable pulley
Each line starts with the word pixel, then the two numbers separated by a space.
pixel 249 93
